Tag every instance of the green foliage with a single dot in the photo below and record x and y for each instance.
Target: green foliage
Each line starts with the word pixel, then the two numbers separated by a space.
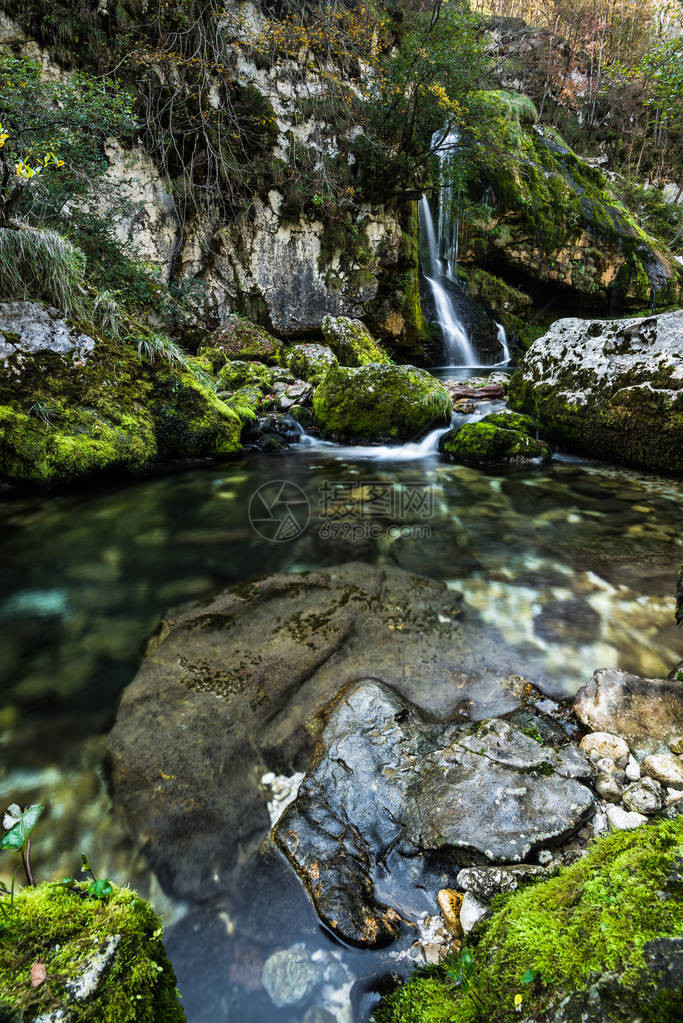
pixel 42 265
pixel 69 117
pixel 554 938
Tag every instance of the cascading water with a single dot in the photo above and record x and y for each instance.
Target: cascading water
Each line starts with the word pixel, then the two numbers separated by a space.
pixel 443 256
pixel 503 338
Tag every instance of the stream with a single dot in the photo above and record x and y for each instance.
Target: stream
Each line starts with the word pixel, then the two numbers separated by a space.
pixel 573 562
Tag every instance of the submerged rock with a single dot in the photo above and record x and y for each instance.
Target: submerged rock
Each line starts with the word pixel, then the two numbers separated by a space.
pixel 377 402
pixel 383 777
pixel 645 712
pixel 103 958
pixel 352 342
pixel 228 691
pixel 499 437
pixel 609 388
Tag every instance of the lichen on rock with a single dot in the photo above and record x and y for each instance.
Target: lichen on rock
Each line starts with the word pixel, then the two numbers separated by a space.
pixel 104 959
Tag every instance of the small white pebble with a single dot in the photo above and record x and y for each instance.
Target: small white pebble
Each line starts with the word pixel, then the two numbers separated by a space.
pixel 632 769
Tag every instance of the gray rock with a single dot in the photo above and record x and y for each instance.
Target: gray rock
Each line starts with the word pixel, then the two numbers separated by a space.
pixel 94 970
pixel 28 327
pixel 229 690
pixel 607 786
pixel 611 388
pixel 289 976
pixel 601 745
pixel 383 777
pixel 643 796
pixel 485 882
pixel 646 712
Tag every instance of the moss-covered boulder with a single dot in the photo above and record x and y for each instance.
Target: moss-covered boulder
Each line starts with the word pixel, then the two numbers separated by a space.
pixel 609 388
pixel 71 404
pixel 241 339
pixel 498 438
pixel 311 362
pixel 102 960
pixel 379 402
pixel 352 342
pixel 599 941
pixel 239 372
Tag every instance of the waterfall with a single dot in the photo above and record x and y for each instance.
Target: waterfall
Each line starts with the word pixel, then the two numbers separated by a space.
pixel 503 338
pixel 443 257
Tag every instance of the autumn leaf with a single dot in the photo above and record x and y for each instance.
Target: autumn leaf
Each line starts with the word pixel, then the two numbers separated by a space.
pixel 38 973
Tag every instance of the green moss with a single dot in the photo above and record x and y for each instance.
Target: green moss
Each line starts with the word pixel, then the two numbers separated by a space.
pixel 189 419
pixel 64 931
pixel 245 403
pixel 237 373
pixel 499 437
pixel 310 362
pixel 558 937
pixel 379 401
pixel 352 342
pixel 241 339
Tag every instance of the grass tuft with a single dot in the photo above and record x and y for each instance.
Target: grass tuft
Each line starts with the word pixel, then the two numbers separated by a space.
pixel 42 265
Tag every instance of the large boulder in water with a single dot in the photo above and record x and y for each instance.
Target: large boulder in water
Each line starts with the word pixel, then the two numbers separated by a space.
pixel 609 388
pixel 500 437
pixel 391 792
pixel 229 690
pixel 378 402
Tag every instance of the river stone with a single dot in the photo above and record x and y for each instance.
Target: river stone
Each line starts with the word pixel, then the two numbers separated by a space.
pixel 228 692
pixel 665 767
pixel 385 779
pixel 646 712
pixel 644 796
pixel 621 820
pixel 485 882
pixel 289 975
pixel 607 787
pixel 609 388
pixel 599 745
pixel 471 912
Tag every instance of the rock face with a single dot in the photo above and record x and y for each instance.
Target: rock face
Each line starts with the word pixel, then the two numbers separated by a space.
pixel 378 402
pixel 647 712
pixel 612 389
pixel 228 691
pixel 387 789
pixel 498 438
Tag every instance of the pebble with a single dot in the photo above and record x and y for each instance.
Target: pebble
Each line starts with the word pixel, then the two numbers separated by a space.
pixel 607 786
pixel 606 765
pixel 602 744
pixel 471 911
pixel 676 743
pixel 632 769
pixel 621 820
pixel 644 796
pixel 665 767
pixel 600 823
pixel 544 857
pixel 289 975
pixel 450 904
pixel 673 795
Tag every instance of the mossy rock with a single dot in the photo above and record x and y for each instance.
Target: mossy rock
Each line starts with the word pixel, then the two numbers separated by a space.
pixel 239 372
pixel 379 402
pixel 599 941
pixel 352 342
pixel 679 597
pixel 189 419
pixel 104 959
pixel 245 402
pixel 498 438
pixel 241 339
pixel 311 362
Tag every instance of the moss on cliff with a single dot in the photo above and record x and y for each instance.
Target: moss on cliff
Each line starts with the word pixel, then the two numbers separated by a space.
pixel 104 959
pixel 598 926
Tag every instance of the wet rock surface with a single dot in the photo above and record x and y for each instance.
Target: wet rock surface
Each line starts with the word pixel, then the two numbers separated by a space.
pixel 387 787
pixel 228 690
pixel 646 712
